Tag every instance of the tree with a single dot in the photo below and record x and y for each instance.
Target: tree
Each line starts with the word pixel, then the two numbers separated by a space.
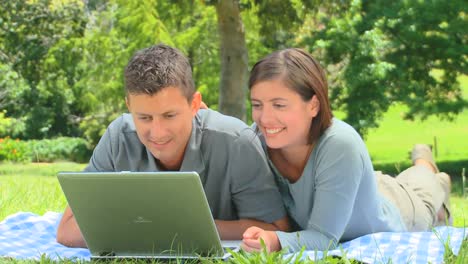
pixel 117 29
pixel 192 28
pixel 277 20
pixel 28 30
pixel 387 52
pixel 234 59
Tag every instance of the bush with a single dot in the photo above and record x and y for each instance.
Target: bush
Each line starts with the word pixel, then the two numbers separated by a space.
pixel 13 150
pixel 45 150
pixel 62 148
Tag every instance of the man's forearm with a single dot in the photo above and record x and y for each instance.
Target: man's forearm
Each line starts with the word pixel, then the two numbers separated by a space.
pixel 68 232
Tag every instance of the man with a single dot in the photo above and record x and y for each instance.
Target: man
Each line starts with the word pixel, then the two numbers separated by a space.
pixel 165 131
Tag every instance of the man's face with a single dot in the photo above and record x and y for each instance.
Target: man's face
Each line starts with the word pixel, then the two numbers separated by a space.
pixel 163 123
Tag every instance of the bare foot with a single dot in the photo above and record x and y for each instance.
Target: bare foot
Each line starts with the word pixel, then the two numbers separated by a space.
pixel 425 163
pixel 422 155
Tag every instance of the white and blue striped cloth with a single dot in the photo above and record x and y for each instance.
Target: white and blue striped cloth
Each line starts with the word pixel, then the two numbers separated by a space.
pixel 30 236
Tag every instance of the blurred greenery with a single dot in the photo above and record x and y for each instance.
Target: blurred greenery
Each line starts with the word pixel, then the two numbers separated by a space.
pixel 45 150
pixel 61 61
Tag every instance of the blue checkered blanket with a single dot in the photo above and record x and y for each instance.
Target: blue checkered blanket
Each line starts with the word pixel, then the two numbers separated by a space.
pixel 31 236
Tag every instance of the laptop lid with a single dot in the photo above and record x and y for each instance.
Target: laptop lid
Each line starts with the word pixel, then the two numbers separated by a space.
pixel 142 214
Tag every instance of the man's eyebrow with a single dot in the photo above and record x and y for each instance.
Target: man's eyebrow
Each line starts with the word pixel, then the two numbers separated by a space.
pixel 142 114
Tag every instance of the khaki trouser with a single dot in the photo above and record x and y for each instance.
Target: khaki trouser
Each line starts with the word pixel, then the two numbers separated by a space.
pixel 417 192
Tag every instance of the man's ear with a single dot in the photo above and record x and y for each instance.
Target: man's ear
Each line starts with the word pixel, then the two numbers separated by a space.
pixel 196 102
pixel 127 102
pixel 314 106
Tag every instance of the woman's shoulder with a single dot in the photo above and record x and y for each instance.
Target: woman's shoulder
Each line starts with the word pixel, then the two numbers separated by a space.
pixel 340 137
pixel 340 130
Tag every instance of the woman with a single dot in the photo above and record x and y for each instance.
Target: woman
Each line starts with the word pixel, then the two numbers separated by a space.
pixel 323 168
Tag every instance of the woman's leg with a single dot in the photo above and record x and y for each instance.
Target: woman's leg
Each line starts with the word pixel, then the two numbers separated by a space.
pixel 422 155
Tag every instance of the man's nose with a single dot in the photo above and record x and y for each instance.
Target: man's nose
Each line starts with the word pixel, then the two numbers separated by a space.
pixel 157 129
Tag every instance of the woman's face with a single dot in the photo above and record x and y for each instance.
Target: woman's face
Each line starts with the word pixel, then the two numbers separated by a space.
pixel 281 115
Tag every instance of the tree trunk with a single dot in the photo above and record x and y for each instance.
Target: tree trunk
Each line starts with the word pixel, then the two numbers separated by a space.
pixel 234 61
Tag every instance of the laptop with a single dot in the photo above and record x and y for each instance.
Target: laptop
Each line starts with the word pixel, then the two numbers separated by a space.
pixel 144 215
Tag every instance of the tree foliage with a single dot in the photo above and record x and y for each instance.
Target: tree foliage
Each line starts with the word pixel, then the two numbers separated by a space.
pixel 28 30
pixel 387 52
pixel 62 61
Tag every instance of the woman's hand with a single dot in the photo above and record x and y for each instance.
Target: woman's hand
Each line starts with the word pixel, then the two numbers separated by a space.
pixel 203 105
pixel 252 240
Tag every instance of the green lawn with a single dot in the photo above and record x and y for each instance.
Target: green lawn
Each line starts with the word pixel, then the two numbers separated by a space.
pixel 392 141
pixel 32 187
pixel 395 137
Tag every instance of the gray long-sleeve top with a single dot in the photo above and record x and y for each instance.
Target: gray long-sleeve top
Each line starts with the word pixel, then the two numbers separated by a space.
pixel 336 198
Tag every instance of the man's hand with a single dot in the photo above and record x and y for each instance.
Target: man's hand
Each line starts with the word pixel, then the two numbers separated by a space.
pixel 252 240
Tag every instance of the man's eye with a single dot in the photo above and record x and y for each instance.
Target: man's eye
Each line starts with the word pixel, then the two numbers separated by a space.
pixel 256 106
pixel 144 118
pixel 169 116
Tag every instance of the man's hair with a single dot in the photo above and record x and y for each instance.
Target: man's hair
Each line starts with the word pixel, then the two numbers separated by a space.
pixel 152 69
pixel 300 72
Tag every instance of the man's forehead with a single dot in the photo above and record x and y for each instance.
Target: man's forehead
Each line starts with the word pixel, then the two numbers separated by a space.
pixel 153 91
pixel 151 105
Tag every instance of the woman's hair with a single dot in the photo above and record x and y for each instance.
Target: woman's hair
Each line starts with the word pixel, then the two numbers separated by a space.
pixel 300 72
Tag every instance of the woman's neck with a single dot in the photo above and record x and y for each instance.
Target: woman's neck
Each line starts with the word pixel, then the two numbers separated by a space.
pixel 291 161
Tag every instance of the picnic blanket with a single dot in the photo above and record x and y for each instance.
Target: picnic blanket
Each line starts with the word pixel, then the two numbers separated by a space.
pixel 29 236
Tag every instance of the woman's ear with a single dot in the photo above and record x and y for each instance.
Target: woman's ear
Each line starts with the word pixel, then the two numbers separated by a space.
pixel 314 106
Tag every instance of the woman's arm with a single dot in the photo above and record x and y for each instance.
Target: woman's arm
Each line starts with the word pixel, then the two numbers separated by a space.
pixel 334 179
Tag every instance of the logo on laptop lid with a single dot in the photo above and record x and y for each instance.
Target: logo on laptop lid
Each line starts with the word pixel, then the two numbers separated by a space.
pixel 141 220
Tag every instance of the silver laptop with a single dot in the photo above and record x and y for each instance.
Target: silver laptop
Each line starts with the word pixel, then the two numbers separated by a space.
pixel 159 215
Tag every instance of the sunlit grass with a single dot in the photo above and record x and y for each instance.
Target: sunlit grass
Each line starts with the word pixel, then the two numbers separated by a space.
pixel 392 141
pixel 34 188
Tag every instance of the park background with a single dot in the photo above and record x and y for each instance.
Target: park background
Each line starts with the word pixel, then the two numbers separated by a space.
pixel 397 72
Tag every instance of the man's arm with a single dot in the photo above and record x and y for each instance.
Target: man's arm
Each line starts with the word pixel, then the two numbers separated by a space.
pixel 233 230
pixel 68 232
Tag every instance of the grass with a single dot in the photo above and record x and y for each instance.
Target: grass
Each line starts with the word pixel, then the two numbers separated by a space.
pixel 34 188
pixel 391 143
pixel 398 137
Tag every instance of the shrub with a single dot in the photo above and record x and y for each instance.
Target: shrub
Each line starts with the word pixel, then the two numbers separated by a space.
pixel 13 150
pixel 45 150
pixel 62 148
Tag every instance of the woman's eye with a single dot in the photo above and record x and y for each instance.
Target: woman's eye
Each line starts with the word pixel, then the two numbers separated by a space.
pixel 278 106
